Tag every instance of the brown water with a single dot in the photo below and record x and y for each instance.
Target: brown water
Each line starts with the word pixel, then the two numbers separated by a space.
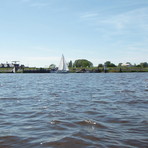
pixel 74 110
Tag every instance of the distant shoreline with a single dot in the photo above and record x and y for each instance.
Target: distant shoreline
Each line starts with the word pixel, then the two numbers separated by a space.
pixel 77 70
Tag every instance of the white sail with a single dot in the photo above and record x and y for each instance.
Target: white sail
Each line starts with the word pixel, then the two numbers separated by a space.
pixel 63 67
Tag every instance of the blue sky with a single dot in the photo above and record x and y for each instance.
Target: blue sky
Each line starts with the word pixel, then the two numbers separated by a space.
pixel 38 32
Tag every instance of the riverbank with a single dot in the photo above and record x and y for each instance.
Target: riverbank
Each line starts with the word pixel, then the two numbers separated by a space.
pixel 76 70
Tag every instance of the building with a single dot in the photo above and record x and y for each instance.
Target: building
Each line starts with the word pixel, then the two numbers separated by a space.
pixel 127 64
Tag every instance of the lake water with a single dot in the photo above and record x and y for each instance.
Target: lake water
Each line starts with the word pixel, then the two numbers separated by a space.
pixel 74 110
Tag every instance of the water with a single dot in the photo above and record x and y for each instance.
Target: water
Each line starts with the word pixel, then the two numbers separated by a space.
pixel 74 110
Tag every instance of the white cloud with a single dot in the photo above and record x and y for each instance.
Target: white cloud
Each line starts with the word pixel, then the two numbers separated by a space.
pixel 39 5
pixel 35 4
pixel 26 0
pixel 40 61
pixel 89 15
pixel 125 21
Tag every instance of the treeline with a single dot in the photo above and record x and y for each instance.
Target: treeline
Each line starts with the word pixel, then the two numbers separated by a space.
pixel 85 66
pixel 85 63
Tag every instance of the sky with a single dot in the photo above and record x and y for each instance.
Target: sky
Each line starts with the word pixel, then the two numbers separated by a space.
pixel 38 32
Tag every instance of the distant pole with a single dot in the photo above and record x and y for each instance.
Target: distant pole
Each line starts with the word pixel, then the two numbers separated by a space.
pixel 15 62
pixel 105 69
pixel 120 70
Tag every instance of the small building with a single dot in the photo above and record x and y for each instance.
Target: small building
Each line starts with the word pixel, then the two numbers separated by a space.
pixel 1 65
pixel 127 64
pixel 8 65
pixel 16 65
pixel 5 65
pixel 11 65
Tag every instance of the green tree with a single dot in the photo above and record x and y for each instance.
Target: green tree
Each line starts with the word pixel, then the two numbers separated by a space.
pixel 70 64
pixel 109 64
pixel 52 66
pixel 120 64
pixel 100 65
pixel 112 65
pixel 82 63
pixel 144 64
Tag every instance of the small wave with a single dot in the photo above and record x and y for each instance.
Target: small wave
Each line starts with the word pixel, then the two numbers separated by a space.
pixel 68 142
pixel 19 98
pixel 100 102
pixel 127 91
pixel 136 143
pixel 93 138
pixel 9 99
pixel 91 112
pixel 138 102
pixel 56 95
pixel 14 141
pixel 133 102
pixel 145 122
pixel 55 122
pixel 89 122
pixel 116 120
pixel 61 125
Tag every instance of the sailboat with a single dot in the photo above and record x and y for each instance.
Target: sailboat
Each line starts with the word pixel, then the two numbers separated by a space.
pixel 63 67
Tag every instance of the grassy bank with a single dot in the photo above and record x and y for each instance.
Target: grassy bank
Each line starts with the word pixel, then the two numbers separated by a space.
pixel 6 70
pixel 78 70
pixel 109 70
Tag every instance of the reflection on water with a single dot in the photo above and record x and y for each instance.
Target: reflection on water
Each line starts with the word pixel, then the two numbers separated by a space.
pixel 74 110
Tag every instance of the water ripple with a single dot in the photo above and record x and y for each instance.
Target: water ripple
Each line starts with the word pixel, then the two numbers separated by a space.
pixel 74 110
